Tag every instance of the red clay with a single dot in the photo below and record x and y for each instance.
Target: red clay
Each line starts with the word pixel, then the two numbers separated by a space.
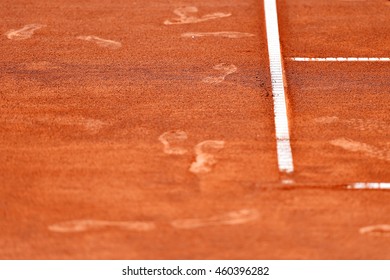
pixel 81 124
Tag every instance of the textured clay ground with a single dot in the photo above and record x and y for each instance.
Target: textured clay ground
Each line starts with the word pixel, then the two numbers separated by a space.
pixel 145 130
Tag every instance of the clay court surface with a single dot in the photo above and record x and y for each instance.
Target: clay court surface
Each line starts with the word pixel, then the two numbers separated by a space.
pixel 146 130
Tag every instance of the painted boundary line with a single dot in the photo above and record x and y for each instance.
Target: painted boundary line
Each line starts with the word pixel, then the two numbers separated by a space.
pixel 285 160
pixel 341 59
pixel 369 186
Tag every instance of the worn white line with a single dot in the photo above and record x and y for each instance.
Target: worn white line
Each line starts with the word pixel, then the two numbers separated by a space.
pixel 285 159
pixel 340 59
pixel 225 34
pixel 369 186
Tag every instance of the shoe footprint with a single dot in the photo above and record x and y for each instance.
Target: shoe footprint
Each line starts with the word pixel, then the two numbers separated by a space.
pixel 88 225
pixel 204 159
pixel 24 33
pixel 172 138
pixel 184 18
pixel 225 69
pixel 376 230
pixel 242 216
pixel 101 42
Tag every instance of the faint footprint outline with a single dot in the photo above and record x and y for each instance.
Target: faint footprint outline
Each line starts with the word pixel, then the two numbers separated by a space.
pixel 225 69
pixel 242 216
pixel 355 146
pixel 25 32
pixel 101 42
pixel 40 66
pixel 173 136
pixel 185 18
pixel 90 125
pixel 225 34
pixel 93 126
pixel 376 230
pixel 89 225
pixel 204 160
pixel 358 124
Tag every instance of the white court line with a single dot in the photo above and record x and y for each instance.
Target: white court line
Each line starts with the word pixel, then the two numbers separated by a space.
pixel 369 186
pixel 341 59
pixel 285 160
